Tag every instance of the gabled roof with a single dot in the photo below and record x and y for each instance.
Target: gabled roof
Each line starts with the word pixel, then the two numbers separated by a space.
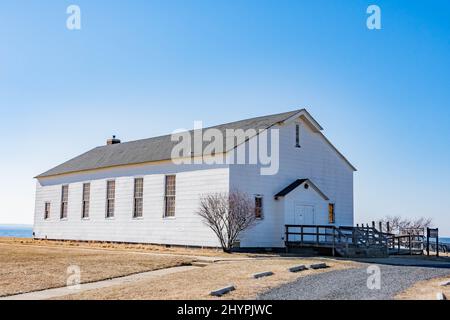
pixel 298 183
pixel 150 150
pixel 160 148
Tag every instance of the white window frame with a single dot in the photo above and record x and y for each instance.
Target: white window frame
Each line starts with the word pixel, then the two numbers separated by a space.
pixel 84 201
pixel 47 212
pixel 107 216
pixel 166 197
pixel 141 198
pixel 64 204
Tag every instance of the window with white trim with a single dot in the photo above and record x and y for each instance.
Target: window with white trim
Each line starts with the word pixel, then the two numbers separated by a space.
pixel 169 196
pixel 47 210
pixel 138 197
pixel 110 198
pixel 64 201
pixel 86 200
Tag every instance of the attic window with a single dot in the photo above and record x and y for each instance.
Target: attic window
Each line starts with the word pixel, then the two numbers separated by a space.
pixel 297 136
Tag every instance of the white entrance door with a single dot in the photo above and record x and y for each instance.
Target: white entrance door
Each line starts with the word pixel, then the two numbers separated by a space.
pixel 304 215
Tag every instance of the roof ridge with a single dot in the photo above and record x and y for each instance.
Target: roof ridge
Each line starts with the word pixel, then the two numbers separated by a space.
pixel 209 127
pixel 159 148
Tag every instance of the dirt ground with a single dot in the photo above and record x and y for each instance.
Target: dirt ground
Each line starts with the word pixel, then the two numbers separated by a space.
pixel 29 268
pixel 197 284
pixel 426 290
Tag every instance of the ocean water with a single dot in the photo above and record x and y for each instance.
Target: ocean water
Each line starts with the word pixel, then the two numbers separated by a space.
pixel 16 231
pixel 27 232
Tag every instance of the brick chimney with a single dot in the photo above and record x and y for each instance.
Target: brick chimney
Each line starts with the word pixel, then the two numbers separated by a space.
pixel 112 141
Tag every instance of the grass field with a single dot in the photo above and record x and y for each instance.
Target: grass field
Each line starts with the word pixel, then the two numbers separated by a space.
pixel 122 246
pixel 29 268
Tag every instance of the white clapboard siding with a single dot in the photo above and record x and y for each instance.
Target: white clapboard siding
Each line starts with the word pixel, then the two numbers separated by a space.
pixel 186 228
pixel 315 160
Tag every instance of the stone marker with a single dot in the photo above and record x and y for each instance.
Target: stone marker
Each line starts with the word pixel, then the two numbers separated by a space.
pixel 298 268
pixel 318 266
pixel 222 291
pixel 263 274
pixel 441 296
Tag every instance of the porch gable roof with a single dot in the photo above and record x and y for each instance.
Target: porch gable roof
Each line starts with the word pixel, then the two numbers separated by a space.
pixel 298 183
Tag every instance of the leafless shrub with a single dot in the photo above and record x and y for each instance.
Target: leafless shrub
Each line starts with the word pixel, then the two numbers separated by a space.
pixel 227 214
pixel 400 225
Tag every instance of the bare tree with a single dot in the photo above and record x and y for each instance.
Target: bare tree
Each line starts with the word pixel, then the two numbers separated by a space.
pixel 227 214
pixel 399 224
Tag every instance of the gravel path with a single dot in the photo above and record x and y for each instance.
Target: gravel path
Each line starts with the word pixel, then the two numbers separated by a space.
pixel 351 284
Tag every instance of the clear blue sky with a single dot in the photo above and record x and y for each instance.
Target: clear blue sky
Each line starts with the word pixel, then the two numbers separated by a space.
pixel 144 68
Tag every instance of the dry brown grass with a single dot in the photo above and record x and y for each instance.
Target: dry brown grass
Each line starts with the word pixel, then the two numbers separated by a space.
pixel 28 268
pixel 196 284
pixel 123 246
pixel 425 290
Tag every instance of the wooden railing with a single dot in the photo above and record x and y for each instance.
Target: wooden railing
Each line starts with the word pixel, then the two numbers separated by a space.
pixel 410 243
pixel 334 237
pixel 369 236
pixel 318 235
pixel 357 237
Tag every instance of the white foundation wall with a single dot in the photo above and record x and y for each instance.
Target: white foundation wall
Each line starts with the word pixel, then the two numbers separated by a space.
pixel 186 228
pixel 315 160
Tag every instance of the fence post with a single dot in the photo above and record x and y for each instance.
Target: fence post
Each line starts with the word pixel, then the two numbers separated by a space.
pixel 437 243
pixel 410 248
pixel 334 241
pixel 301 235
pixel 317 230
pixel 367 236
pixel 380 226
pixel 286 239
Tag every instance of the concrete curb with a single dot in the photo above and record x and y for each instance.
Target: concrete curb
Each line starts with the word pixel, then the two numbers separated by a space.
pixel 318 266
pixel 220 292
pixel 263 274
pixel 298 268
